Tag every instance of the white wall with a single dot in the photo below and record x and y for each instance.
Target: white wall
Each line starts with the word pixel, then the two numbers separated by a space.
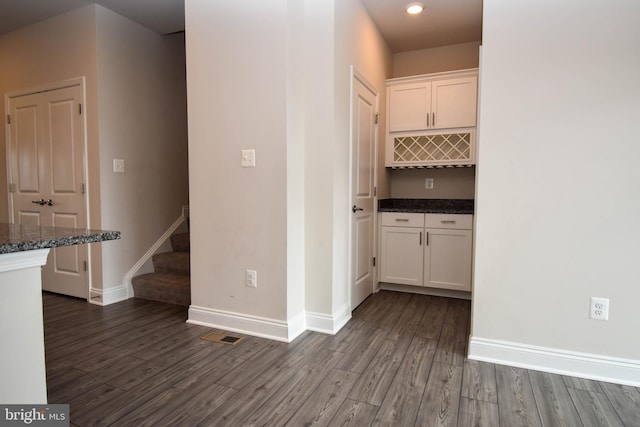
pixel 557 197
pixel 142 119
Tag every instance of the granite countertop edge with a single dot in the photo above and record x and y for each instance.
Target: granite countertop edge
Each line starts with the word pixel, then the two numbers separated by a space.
pixel 16 238
pixel 441 206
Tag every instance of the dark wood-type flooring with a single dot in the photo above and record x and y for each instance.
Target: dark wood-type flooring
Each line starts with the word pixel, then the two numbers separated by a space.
pixel 400 361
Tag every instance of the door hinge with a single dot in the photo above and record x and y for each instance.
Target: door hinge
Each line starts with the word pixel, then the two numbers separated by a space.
pixel 377 118
pixel 82 188
pixel 374 261
pixel 8 119
pixel 11 188
pixel 79 108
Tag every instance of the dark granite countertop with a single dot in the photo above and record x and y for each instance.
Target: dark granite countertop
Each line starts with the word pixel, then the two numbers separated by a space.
pixel 445 206
pixel 18 238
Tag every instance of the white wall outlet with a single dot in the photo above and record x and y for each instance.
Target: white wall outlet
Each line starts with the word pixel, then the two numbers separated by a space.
pixel 252 278
pixel 248 159
pixel 118 165
pixel 428 183
pixel 599 308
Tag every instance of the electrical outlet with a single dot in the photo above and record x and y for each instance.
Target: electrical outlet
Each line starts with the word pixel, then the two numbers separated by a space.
pixel 599 308
pixel 252 278
pixel 428 183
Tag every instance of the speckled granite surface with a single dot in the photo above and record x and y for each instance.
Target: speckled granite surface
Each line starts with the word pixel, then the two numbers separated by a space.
pixel 17 238
pixel 446 206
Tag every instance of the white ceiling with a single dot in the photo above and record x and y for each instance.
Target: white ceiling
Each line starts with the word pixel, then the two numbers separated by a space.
pixel 443 22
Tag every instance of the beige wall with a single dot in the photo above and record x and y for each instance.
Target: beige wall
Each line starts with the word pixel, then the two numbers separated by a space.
pixel 288 217
pixel 449 183
pixel 135 110
pixel 358 43
pixel 558 201
pixel 435 60
pixel 142 106
pixel 236 72
pixel 57 49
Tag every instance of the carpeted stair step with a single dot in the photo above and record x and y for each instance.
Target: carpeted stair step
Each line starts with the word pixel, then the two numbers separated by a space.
pixel 180 242
pixel 171 262
pixel 163 287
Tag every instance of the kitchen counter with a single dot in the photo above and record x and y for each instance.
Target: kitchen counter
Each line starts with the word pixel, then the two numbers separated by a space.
pixel 18 238
pixel 23 251
pixel 441 206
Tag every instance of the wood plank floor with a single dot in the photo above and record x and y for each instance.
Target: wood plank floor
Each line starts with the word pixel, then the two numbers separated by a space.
pixel 400 361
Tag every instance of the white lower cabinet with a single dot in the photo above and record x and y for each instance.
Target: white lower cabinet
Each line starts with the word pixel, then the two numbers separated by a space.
pixel 432 250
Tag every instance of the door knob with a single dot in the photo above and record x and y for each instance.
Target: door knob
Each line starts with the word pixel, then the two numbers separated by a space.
pixel 43 202
pixel 356 209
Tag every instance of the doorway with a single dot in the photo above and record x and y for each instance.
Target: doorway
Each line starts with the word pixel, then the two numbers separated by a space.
pixel 46 148
pixel 364 143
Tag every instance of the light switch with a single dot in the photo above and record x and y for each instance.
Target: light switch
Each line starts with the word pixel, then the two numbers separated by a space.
pixel 248 159
pixel 118 165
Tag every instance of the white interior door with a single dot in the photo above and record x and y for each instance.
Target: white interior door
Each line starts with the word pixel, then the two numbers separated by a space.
pixel 46 144
pixel 364 137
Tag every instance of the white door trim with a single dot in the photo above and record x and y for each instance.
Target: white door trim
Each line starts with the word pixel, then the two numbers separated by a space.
pixel 355 74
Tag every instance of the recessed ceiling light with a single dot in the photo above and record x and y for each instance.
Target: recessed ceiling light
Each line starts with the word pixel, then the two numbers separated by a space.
pixel 414 8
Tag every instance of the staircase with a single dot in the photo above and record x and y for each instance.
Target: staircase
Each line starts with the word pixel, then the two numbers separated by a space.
pixel 170 282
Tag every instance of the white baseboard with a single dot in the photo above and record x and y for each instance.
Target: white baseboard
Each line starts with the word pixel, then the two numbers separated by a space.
pixel 277 330
pixel 422 290
pixel 108 296
pixel 324 323
pixel 575 364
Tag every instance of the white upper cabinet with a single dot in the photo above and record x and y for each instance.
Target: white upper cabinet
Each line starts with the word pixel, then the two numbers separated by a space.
pixel 432 104
pixel 454 102
pixel 432 119
pixel 410 107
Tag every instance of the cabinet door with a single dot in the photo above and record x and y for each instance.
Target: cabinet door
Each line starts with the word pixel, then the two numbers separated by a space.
pixel 401 255
pixel 454 102
pixel 447 259
pixel 409 107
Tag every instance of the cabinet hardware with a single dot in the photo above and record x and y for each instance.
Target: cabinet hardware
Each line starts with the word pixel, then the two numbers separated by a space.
pixel 427 239
pixel 402 219
pixel 420 241
pixel 427 119
pixel 356 209
pixel 448 221
pixel 433 122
